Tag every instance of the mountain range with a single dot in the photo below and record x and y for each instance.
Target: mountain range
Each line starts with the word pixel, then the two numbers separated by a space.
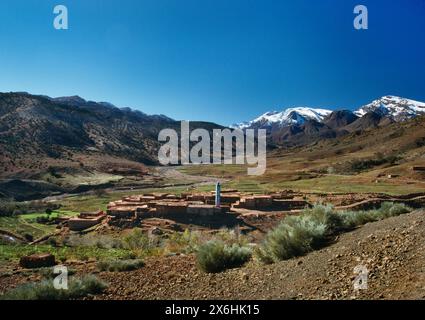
pixel 38 132
pixel 301 125
pixel 68 144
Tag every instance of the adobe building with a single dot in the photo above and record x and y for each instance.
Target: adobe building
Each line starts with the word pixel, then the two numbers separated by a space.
pixel 85 220
pixel 190 206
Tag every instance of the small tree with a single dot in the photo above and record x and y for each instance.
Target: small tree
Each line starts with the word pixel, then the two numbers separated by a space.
pixel 100 193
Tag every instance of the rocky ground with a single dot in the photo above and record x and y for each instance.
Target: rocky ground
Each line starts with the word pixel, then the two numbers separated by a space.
pixel 392 250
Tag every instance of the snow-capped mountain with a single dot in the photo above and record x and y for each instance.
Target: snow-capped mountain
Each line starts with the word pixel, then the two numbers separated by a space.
pixel 392 107
pixel 285 118
pixel 396 108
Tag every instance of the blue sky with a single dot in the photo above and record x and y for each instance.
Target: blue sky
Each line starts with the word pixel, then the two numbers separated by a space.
pixel 218 60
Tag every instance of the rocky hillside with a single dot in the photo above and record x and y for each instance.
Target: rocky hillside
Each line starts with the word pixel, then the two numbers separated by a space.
pixel 38 131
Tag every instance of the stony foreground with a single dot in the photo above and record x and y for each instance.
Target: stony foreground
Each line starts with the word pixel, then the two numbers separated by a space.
pixel 393 250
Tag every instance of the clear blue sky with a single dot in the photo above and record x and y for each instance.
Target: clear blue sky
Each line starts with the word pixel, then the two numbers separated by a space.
pixel 217 60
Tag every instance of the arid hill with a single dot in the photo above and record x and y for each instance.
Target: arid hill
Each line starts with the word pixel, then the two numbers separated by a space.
pixel 38 132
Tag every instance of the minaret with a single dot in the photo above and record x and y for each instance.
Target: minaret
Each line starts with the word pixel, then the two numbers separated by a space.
pixel 217 195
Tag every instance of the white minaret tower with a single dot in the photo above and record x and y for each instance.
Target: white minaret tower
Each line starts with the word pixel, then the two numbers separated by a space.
pixel 217 195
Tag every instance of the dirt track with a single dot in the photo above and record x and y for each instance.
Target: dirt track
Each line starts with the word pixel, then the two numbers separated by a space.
pixel 393 250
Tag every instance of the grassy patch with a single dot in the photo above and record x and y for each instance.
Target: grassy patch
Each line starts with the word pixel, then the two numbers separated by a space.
pixel 23 227
pixel 45 290
pixel 10 208
pixel 216 256
pixel 15 252
pixel 295 174
pixel 120 265
pixel 55 214
pixel 214 170
pixel 28 224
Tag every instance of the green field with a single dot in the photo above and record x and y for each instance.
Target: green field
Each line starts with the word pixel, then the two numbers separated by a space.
pixel 26 224
pixel 276 179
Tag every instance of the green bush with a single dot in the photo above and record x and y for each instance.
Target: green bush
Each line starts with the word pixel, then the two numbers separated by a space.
pixel 141 245
pixel 44 290
pixel 298 235
pixel 120 265
pixel 91 240
pixel 295 236
pixel 136 240
pixel 183 242
pixel 352 219
pixel 48 272
pixel 389 209
pixel 323 215
pixel 215 256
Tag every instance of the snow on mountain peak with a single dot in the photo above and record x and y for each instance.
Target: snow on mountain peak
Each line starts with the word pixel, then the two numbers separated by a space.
pixel 286 117
pixel 395 107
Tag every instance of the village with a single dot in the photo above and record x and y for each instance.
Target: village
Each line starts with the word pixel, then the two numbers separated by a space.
pixel 223 208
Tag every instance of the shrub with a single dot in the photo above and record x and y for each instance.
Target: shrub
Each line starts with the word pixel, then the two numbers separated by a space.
pixel 44 219
pixel 389 209
pixel 90 240
pixel 29 237
pixel 323 215
pixel 44 290
pixel 186 242
pixel 293 237
pixel 298 235
pixel 85 286
pixel 100 193
pixel 52 242
pixel 140 244
pixel 232 236
pixel 136 240
pixel 215 256
pixel 353 219
pixel 120 265
pixel 48 273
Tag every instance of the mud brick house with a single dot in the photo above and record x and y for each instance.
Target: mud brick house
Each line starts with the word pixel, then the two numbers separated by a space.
pixel 85 220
